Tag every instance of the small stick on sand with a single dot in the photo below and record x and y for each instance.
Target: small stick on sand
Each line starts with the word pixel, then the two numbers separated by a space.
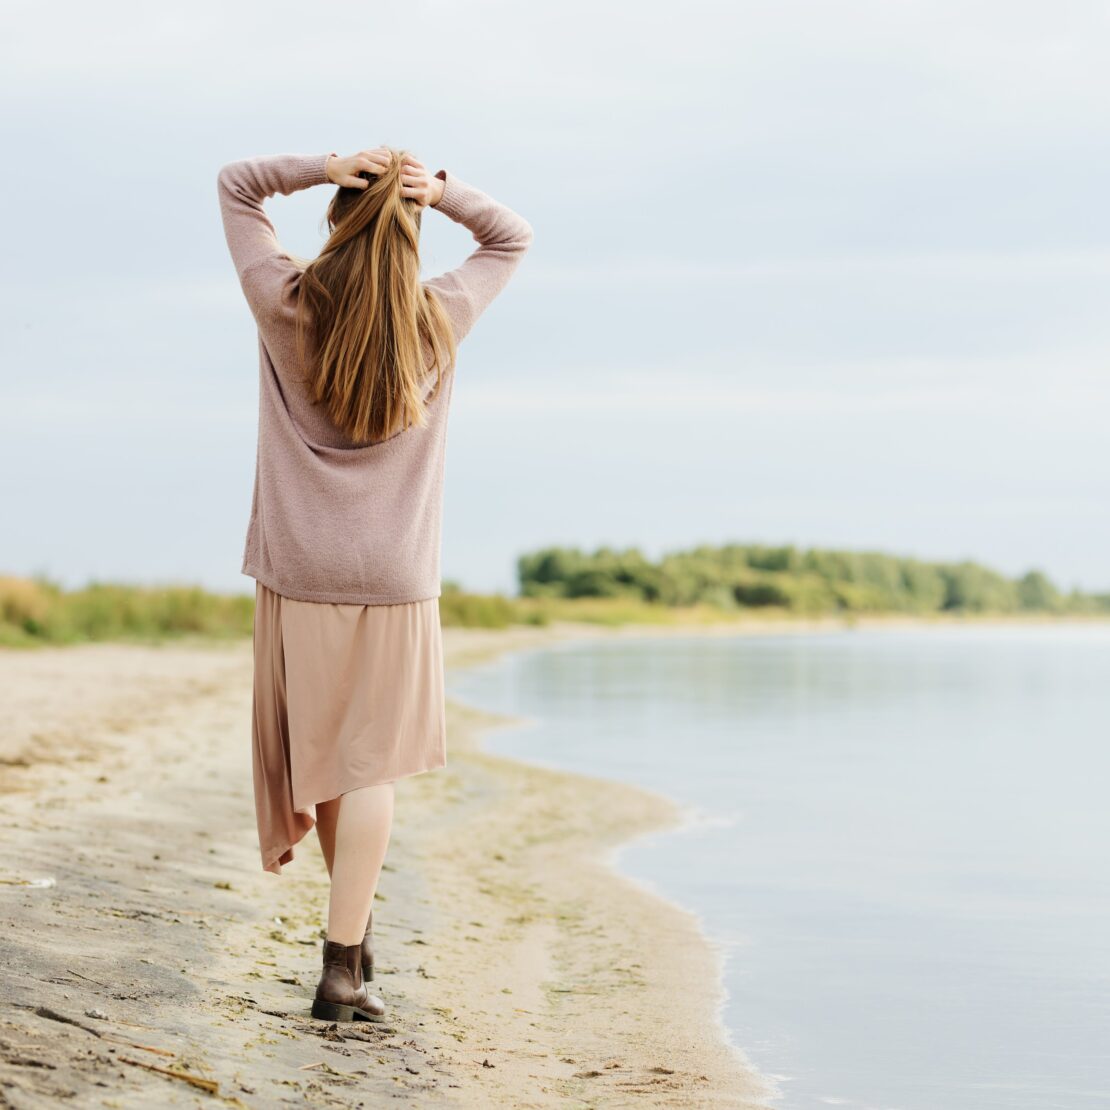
pixel 209 1085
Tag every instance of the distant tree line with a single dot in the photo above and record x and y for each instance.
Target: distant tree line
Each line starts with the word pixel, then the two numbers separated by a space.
pixel 809 581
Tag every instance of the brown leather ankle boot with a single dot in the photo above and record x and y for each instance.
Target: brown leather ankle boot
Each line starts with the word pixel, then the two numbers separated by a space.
pixel 368 951
pixel 341 994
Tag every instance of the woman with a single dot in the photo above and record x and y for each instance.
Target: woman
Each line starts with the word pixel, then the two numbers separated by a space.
pixel 356 361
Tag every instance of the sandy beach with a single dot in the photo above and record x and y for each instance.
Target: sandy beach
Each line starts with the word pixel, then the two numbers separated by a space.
pixel 148 960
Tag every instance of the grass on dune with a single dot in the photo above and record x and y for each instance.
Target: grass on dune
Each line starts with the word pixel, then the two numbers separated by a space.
pixel 36 610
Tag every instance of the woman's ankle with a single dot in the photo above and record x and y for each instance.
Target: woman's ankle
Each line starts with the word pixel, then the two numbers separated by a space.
pixel 335 938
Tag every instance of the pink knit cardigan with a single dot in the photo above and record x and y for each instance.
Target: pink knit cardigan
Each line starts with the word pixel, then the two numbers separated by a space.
pixel 332 520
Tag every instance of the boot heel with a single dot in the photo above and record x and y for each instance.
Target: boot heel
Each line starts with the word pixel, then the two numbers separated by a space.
pixel 332 1011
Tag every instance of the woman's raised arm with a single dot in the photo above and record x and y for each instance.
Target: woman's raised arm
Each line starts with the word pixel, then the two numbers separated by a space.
pixel 503 237
pixel 244 185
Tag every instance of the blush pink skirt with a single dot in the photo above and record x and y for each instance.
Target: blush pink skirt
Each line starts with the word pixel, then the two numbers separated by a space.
pixel 345 696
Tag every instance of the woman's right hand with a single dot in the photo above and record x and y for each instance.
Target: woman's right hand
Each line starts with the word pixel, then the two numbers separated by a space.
pixel 418 184
pixel 345 171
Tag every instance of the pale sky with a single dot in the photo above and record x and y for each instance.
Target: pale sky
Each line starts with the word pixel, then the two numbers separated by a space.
pixel 803 272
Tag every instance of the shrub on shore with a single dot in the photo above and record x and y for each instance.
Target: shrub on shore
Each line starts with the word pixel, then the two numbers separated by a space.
pixel 460 609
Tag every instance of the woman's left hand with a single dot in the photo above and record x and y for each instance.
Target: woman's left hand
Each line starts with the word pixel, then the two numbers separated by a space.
pixel 345 171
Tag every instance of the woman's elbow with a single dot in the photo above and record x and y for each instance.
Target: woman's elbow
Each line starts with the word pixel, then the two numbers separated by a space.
pixel 228 174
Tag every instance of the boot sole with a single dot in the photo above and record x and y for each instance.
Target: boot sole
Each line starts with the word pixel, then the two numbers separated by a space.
pixel 332 1011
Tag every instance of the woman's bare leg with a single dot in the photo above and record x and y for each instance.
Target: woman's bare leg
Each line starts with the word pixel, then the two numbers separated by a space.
pixel 361 839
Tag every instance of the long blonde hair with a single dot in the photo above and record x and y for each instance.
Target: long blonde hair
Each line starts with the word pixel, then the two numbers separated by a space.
pixel 369 315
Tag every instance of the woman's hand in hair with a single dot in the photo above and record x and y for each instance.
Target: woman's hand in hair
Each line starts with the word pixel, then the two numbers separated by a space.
pixel 418 184
pixel 345 171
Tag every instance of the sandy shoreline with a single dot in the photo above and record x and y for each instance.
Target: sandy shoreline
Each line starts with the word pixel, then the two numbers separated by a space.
pixel 146 959
pixel 518 968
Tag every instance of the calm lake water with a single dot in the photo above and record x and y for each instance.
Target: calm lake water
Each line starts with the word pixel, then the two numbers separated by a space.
pixel 900 839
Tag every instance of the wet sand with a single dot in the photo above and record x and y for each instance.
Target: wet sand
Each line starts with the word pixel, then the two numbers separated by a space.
pixel 157 964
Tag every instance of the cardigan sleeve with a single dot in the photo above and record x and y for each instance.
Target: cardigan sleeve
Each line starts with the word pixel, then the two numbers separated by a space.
pixel 503 237
pixel 242 187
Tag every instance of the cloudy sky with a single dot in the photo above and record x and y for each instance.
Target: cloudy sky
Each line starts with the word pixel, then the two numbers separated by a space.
pixel 823 273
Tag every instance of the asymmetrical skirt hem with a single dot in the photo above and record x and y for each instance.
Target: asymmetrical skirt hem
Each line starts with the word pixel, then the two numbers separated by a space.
pixel 308 813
